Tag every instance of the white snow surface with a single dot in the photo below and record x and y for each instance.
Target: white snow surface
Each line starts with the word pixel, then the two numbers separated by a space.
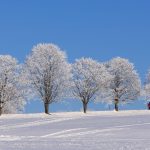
pixel 124 130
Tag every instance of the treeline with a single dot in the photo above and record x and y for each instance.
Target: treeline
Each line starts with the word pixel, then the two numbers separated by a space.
pixel 47 75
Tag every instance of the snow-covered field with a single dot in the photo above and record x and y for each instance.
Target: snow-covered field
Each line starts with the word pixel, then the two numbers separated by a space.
pixel 124 130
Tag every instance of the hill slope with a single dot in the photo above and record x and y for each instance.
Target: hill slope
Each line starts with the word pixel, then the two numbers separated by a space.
pixel 124 130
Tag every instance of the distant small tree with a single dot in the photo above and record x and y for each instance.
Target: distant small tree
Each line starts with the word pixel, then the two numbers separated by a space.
pixel 48 73
pixel 125 83
pixel 146 89
pixel 11 93
pixel 89 78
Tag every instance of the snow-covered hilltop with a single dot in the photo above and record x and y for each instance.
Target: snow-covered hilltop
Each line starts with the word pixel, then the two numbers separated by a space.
pixel 124 130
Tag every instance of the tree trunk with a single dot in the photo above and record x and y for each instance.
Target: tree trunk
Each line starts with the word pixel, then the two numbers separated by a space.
pixel 116 107
pixel 46 106
pixel 0 111
pixel 84 107
pixel 116 101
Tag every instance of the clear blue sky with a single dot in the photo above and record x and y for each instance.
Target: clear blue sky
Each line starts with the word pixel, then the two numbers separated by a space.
pixel 100 29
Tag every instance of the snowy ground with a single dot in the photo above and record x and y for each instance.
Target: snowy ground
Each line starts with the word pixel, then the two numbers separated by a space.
pixel 124 130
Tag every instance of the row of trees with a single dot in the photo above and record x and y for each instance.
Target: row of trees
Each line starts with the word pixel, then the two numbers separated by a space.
pixel 46 75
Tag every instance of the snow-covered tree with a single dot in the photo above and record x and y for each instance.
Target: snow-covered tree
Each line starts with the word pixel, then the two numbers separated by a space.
pixel 48 73
pixel 125 83
pixel 89 78
pixel 11 93
pixel 146 90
